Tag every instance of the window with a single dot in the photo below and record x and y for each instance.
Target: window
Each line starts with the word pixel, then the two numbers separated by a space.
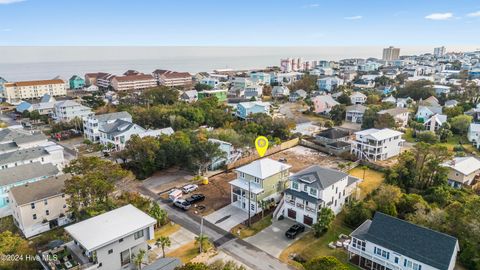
pixel 34 216
pixel 120 240
pixel 381 252
pixel 110 251
pixel 294 185
pixel 47 212
pixel 64 206
pixel 396 259
pixel 336 190
pixel 45 202
pixel 313 191
pixel 138 234
pixel 305 188
pixel 256 180
pixel 125 257
pixel 33 205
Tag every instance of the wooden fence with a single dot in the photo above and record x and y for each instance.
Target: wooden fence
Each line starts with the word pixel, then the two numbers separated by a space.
pixel 270 151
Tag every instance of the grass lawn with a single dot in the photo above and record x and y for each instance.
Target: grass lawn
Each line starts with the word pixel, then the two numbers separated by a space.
pixel 372 180
pixel 254 229
pixel 186 252
pixel 44 238
pixel 309 247
pixel 165 230
pixel 457 140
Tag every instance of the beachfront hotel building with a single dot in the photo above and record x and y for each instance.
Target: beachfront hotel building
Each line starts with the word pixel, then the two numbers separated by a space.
pixel 14 92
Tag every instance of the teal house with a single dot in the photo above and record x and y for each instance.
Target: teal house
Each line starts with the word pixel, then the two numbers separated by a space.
pixel 76 82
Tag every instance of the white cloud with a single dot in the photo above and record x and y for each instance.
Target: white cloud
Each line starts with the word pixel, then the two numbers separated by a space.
pixel 439 16
pixel 474 14
pixel 358 17
pixel 6 30
pixel 306 6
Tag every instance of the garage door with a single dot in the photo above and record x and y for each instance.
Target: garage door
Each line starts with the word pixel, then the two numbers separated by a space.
pixel 307 220
pixel 292 214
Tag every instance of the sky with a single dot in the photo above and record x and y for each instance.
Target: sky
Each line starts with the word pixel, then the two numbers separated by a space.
pixel 239 23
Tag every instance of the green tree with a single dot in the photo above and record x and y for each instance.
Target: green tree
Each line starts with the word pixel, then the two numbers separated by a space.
pixel 427 137
pixel 460 124
pixel 202 241
pixel 193 266
pixel 386 198
pixel 14 244
pixel 163 241
pixel 344 99
pixel 325 219
pixel 328 124
pixel 139 258
pixel 369 118
pixel 417 90
pixel 325 263
pixel 444 132
pixel 141 154
pixel 200 87
pixel 453 111
pixel 161 95
pixel 356 213
pixel 384 120
pixel 159 214
pixel 338 113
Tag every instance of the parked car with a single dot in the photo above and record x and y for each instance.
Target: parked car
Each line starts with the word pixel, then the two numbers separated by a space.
pixel 293 231
pixel 189 188
pixel 196 198
pixel 183 204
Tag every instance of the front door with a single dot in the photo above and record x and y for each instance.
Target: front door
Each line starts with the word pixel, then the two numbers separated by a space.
pixel 307 220
pixel 292 214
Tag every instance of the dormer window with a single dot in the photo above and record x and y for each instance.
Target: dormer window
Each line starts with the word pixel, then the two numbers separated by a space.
pixel 313 191
pixel 295 185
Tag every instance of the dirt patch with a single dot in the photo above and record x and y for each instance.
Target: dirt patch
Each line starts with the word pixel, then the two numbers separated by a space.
pixel 300 157
pixel 217 193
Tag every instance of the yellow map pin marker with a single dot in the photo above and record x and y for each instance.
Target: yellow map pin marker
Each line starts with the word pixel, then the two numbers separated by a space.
pixel 261 143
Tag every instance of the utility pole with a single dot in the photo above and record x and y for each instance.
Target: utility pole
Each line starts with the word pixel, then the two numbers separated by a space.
pixel 201 235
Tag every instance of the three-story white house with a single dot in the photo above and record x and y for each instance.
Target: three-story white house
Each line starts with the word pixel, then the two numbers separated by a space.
pixel 377 144
pixel 388 243
pixel 93 123
pixel 66 111
pixel 110 241
pixel 314 188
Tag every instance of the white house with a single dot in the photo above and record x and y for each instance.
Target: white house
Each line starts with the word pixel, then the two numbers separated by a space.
pixel 473 134
pixel 358 98
pixel 400 115
pixel 329 83
pixel 119 132
pixel 93 123
pixel 390 243
pixel 112 240
pixel 189 96
pixel 40 206
pixel 374 144
pixel 246 109
pixel 435 122
pixel 280 91
pixel 314 188
pixel 425 112
pixel 354 113
pixel 66 111
pixel 462 171
pixel 390 99
pixel 45 153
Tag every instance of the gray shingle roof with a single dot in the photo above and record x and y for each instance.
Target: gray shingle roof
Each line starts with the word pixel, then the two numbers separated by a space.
pixel 39 190
pixel 424 245
pixel 26 172
pixel 118 127
pixel 30 138
pixel 319 177
pixel 24 154
pixel 112 116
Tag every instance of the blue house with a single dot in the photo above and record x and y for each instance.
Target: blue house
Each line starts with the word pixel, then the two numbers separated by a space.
pixel 21 175
pixel 329 84
pixel 76 82
pixel 2 81
pixel 246 109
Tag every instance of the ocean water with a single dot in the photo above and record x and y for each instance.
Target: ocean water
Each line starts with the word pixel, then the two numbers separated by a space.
pixel 32 63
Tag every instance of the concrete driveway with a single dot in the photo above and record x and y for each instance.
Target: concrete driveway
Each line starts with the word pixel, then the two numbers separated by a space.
pixel 272 239
pixel 227 217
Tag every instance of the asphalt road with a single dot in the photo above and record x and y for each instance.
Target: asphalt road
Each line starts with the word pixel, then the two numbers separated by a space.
pixel 239 249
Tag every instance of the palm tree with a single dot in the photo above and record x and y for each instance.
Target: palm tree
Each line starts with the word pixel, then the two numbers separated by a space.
pixel 163 241
pixel 201 240
pixel 263 205
pixel 139 258
pixel 364 168
pixel 342 166
pixel 159 214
